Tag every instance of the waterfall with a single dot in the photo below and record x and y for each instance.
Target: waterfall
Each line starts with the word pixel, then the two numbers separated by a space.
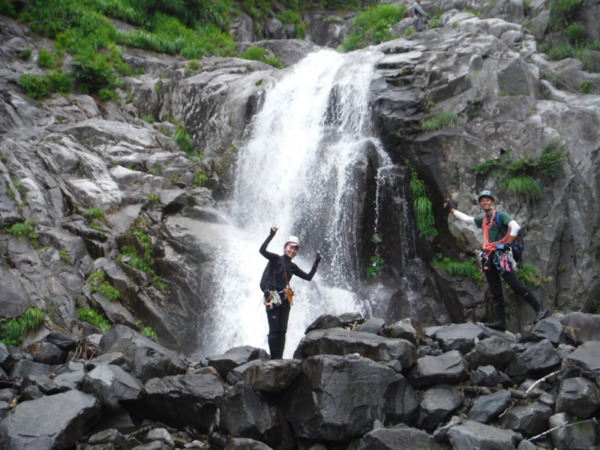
pixel 302 168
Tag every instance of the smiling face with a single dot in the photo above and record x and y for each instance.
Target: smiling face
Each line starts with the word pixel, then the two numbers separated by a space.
pixel 486 203
pixel 290 250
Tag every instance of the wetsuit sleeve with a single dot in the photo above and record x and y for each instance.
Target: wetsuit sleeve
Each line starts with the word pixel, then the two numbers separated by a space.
pixel 465 218
pixel 263 248
pixel 307 276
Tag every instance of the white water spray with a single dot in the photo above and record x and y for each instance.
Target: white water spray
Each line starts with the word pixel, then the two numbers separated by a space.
pixel 297 170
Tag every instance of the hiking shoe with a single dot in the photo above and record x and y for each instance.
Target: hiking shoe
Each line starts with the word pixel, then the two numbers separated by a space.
pixel 542 314
pixel 498 325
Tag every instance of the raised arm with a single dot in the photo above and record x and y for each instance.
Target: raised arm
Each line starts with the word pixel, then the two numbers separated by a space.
pixel 263 248
pixel 448 206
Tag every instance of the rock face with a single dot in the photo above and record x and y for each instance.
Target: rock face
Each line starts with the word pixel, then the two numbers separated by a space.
pixel 358 400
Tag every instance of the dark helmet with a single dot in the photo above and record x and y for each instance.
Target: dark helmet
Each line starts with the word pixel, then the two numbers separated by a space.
pixel 485 193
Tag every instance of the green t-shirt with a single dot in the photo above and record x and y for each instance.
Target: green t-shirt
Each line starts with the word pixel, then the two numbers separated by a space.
pixel 495 233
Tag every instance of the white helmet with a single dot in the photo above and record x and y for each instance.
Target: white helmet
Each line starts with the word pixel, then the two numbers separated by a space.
pixel 292 240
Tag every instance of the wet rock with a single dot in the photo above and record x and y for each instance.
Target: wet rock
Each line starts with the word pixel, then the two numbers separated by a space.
pixel 272 376
pixel 320 408
pixel 112 386
pixel 49 422
pixel 447 368
pixel 437 405
pixel 396 438
pixel 372 325
pixel 584 361
pixel 335 341
pixel 408 329
pixel 325 321
pixel 487 408
pixel 146 358
pixel 570 434
pixel 578 397
pixel 184 400
pixel 529 420
pixel 494 351
pixel 470 434
pixel 536 361
pixel 235 357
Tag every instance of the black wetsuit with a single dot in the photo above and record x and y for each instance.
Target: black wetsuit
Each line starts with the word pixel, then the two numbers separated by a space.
pixel 274 279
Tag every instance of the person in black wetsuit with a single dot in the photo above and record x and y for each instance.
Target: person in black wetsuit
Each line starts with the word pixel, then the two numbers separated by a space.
pixel 276 277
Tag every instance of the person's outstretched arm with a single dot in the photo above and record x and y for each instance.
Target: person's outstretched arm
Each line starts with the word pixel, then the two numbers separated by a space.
pixel 448 206
pixel 309 276
pixel 263 248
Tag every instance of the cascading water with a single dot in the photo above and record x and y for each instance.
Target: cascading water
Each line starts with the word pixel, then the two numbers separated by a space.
pixel 303 168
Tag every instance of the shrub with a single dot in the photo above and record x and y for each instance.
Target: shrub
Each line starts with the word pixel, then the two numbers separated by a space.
pixel 441 119
pixel 575 32
pixel 94 213
pixel 98 284
pixel 94 318
pixel 7 8
pixel 45 59
pixel 193 65
pixel 465 269
pixel 23 230
pixel 372 26
pixel 35 86
pixel 421 206
pixel 12 330
pixel 182 138
pixel 92 71
pixel 107 94
pixel 59 82
pixel 25 54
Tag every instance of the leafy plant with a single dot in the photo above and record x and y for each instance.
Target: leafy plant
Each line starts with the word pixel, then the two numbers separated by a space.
pixel 372 26
pixel 35 86
pixel 94 318
pixel 106 94
pixel 529 275
pixel 12 330
pixel 375 266
pixel 99 284
pixel 94 213
pixel 59 82
pixel 45 59
pixel 421 206
pixel 149 331
pixel 465 269
pixel 24 230
pixel 193 65
pixel 149 119
pixel 441 119
pixel 200 178
pixel 259 54
pixel 63 255
pixel 585 87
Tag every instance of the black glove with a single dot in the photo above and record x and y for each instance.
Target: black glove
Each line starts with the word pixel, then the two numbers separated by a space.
pixel 272 231
pixel 448 206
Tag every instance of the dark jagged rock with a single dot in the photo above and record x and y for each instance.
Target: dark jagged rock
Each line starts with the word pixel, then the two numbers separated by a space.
pixel 529 420
pixel 449 368
pixel 578 397
pixel 395 438
pixel 487 408
pixel 495 351
pixel 461 337
pixel 437 404
pixel 235 357
pixel 272 376
pixel 536 361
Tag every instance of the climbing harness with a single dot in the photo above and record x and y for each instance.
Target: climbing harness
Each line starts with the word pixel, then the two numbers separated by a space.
pixel 272 300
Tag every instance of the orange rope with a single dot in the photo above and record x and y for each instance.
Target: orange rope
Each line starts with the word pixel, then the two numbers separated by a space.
pixel 489 247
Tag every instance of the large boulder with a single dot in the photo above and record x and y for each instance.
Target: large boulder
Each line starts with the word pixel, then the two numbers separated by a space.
pixel 338 398
pixel 50 422
pixel 337 341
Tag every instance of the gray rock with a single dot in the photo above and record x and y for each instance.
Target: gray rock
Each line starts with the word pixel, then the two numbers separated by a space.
pixel 246 413
pixel 536 361
pixel 583 361
pixel 109 436
pixel 408 329
pixel 581 327
pixel 321 408
pixel 572 435
pixel 69 376
pixel 396 438
pixel 272 376
pixel 46 353
pixel 470 434
pixel 146 358
pixel 578 397
pixel 161 435
pixel 246 444
pixel 55 421
pixel 234 357
pixel 551 329
pixel 184 400
pixel 462 337
pixel 372 325
pixel 494 351
pixel 528 420
pixel 447 368
pixel 437 405
pixel 485 376
pixel 487 408
pixel 335 341
pixel 325 321
pixel 112 385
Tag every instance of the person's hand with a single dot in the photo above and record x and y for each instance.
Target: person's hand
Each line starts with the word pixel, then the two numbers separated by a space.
pixel 319 256
pixel 274 229
pixel 448 206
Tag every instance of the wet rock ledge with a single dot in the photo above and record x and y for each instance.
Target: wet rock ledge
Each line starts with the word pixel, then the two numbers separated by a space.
pixel 352 384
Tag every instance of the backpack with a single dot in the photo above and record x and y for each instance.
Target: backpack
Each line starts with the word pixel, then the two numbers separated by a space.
pixel 518 245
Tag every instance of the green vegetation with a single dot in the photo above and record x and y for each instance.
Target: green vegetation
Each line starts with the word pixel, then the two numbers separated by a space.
pixel 136 250
pixel 7 8
pixel 200 178
pixel 529 275
pixel 24 230
pixel 99 284
pixel 64 256
pixel 182 138
pixel 259 54
pixel 518 176
pixel 45 59
pixel 440 119
pixel 193 65
pixel 38 87
pixel 463 269
pixel 375 262
pixel 94 318
pixel 13 330
pixel 372 26
pixel 94 215
pixel 149 331
pixel 421 206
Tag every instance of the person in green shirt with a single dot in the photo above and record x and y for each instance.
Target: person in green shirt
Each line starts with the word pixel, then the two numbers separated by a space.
pixel 497 261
